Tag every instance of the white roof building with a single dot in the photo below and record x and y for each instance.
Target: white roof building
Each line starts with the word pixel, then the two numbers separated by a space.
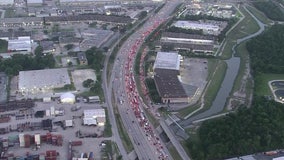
pixel 94 117
pixel 32 2
pixel 19 44
pixel 67 98
pixel 167 60
pixel 42 80
pixel 208 28
pixel 7 2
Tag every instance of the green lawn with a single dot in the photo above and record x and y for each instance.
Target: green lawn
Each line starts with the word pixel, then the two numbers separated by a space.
pixel 9 13
pixel 259 15
pixel 261 83
pixel 174 152
pixel 246 27
pixel 3 46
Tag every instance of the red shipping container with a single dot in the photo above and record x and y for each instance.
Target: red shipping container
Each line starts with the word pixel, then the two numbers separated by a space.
pixel 76 143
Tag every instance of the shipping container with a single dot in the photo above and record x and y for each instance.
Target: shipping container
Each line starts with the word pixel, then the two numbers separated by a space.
pixel 27 140
pixel 52 111
pixel 37 139
pixel 22 140
pixel 13 138
pixel 42 157
pixel 47 112
pixel 76 143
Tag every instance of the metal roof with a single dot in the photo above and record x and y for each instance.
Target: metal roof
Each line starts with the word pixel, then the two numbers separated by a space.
pixel 167 60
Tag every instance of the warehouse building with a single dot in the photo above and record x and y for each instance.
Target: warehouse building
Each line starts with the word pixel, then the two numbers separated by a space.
pixel 34 2
pixel 19 43
pixel 207 28
pixel 192 42
pixel 94 117
pixel 166 72
pixel 35 81
pixel 7 2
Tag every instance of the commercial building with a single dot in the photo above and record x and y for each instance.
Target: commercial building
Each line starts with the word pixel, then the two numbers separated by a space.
pixel 35 22
pixel 166 72
pixel 7 2
pixel 206 27
pixel 19 43
pixel 34 2
pixel 192 42
pixel 42 80
pixel 94 117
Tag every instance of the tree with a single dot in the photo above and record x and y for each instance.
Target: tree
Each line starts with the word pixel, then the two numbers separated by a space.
pixel 69 46
pixel 88 83
pixel 39 51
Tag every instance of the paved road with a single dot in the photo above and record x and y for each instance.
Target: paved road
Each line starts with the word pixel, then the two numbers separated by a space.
pixel 174 141
pixel 144 145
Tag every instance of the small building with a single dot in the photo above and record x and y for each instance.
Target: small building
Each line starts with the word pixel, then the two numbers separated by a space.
pixel 94 117
pixel 82 58
pixel 68 98
pixel 47 46
pixel 68 123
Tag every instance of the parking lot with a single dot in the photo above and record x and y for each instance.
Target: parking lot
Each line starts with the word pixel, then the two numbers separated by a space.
pixel 90 144
pixel 193 74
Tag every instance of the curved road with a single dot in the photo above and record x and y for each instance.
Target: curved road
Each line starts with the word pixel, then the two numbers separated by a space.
pixel 228 82
pixel 142 142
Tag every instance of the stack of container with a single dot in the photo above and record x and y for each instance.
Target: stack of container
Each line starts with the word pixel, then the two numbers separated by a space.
pixel 22 140
pixel 48 138
pixel 13 139
pixel 41 157
pixel 37 140
pixel 50 155
pixel 27 139
pixel 91 156
pixel 76 143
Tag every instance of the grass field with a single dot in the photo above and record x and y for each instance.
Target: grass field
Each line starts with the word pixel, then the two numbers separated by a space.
pixel 174 152
pixel 246 27
pixel 9 13
pixel 261 83
pixel 259 15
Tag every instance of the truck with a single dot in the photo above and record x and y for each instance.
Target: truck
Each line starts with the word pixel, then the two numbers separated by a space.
pixel 93 99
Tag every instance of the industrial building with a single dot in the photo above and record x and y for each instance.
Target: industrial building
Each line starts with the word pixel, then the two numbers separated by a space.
pixel 42 80
pixel 94 117
pixel 34 2
pixel 192 42
pixel 166 68
pixel 207 28
pixel 19 43
pixel 7 2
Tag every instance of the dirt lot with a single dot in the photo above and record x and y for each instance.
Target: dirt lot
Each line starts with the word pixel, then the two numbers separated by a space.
pixel 79 76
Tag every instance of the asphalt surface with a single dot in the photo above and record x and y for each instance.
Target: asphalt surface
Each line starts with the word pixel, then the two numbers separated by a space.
pixel 146 145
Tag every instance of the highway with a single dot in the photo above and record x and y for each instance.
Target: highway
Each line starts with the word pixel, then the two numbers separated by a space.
pixel 146 143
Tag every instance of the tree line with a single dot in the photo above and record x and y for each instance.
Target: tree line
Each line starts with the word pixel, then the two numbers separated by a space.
pixel 267 51
pixel 25 62
pixel 247 131
pixel 270 9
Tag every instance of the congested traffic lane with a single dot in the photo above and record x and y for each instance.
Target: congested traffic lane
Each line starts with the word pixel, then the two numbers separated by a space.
pixel 142 134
